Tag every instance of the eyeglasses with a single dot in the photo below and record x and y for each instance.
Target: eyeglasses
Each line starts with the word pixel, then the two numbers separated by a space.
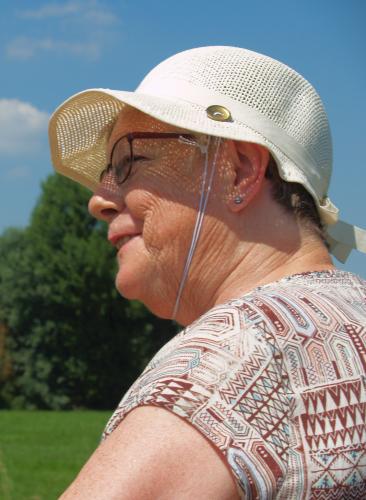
pixel 121 166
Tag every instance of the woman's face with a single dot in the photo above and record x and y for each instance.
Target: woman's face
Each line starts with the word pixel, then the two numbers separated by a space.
pixel 151 216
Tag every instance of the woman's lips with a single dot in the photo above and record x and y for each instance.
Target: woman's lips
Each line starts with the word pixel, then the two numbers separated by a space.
pixel 119 239
pixel 124 241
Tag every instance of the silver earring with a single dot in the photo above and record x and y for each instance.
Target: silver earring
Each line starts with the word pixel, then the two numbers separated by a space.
pixel 238 200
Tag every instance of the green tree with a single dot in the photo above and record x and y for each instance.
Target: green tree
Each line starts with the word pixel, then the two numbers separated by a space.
pixel 72 340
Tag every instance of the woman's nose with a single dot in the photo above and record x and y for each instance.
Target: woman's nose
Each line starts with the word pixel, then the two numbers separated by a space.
pixel 105 206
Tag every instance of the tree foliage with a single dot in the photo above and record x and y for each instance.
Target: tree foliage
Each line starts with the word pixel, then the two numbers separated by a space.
pixel 67 339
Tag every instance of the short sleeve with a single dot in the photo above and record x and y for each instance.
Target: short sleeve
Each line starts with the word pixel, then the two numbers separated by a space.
pixel 224 376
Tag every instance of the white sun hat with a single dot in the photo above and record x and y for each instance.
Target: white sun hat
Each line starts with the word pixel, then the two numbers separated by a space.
pixel 227 92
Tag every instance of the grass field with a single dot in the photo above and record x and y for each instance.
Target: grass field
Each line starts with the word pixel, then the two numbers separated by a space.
pixel 41 452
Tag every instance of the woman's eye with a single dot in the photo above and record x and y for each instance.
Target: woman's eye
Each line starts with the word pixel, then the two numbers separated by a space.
pixel 122 166
pixel 123 169
pixel 139 158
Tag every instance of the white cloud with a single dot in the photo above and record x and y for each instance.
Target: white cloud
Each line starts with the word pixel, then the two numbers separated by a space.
pixel 51 10
pixel 23 128
pixel 87 22
pixel 90 11
pixel 26 48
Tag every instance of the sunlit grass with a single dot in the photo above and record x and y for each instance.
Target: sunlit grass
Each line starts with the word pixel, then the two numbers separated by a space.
pixel 41 452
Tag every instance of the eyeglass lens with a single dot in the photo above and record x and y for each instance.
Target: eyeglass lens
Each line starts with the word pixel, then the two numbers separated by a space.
pixel 122 154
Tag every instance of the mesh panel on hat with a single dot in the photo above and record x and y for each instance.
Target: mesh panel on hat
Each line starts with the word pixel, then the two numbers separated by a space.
pixel 81 148
pixel 264 84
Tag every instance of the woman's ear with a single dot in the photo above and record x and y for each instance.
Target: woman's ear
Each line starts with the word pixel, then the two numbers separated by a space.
pixel 250 163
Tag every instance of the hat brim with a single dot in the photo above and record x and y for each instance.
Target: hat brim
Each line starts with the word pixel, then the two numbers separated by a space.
pixel 80 128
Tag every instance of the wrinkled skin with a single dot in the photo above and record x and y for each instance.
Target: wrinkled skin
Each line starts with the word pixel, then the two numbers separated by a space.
pixel 239 246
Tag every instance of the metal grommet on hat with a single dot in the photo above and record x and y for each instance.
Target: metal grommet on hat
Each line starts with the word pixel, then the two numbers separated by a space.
pixel 219 113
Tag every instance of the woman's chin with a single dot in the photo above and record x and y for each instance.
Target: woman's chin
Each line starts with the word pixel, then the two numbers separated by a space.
pixel 154 301
pixel 127 286
pixel 132 286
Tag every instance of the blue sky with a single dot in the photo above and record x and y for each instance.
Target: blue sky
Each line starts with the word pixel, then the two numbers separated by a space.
pixel 51 50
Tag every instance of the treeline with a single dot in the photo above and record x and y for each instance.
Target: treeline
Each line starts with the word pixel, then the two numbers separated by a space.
pixel 67 339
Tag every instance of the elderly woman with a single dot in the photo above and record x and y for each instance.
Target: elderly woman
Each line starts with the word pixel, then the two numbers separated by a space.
pixel 212 178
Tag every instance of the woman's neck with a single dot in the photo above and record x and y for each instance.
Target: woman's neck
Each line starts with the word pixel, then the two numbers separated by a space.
pixel 251 265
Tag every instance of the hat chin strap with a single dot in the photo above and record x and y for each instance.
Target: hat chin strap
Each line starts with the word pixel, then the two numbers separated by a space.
pixel 206 184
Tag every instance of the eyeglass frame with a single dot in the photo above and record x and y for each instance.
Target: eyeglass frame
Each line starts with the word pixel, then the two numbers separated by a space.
pixel 188 138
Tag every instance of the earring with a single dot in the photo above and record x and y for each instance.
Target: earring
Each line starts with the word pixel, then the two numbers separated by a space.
pixel 238 200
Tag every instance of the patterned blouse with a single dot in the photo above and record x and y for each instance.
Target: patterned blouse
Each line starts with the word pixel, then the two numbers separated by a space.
pixel 276 381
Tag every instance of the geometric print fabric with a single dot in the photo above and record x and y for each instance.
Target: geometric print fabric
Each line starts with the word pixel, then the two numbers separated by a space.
pixel 276 381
